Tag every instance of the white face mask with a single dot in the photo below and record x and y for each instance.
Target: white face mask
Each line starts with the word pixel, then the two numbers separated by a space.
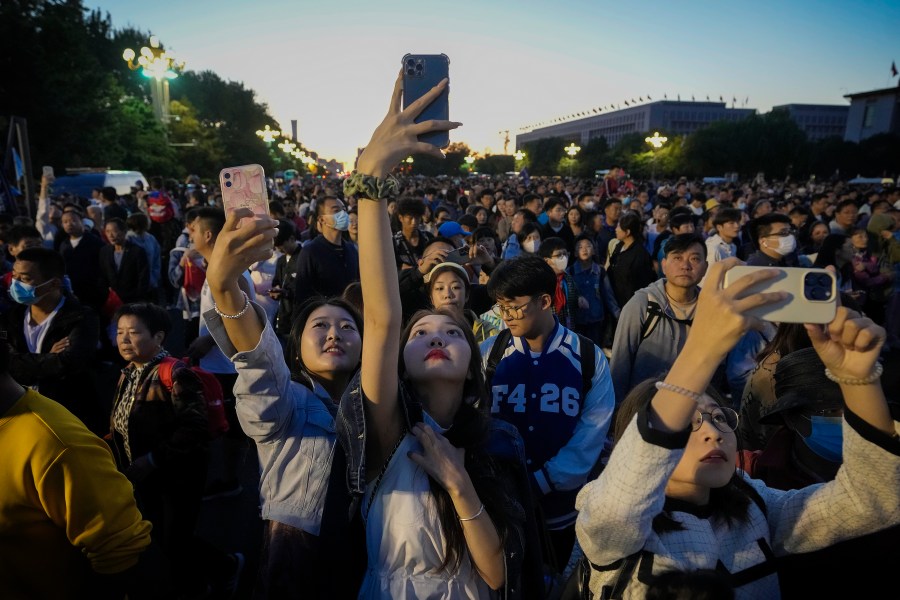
pixel 560 263
pixel 531 246
pixel 590 205
pixel 786 245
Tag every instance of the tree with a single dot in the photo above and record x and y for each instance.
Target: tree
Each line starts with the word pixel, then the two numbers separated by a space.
pixel 495 164
pixel 543 155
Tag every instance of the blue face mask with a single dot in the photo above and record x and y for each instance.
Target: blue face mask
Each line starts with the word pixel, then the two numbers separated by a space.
pixel 341 220
pixel 826 438
pixel 24 293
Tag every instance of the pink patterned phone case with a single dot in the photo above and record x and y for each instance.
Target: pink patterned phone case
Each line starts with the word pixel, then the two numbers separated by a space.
pixel 244 187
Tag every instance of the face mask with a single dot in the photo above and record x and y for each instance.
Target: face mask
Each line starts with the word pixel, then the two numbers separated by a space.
pixel 24 293
pixel 742 206
pixel 341 220
pixel 697 210
pixel 786 245
pixel 560 263
pixel 531 246
pixel 590 205
pixel 826 438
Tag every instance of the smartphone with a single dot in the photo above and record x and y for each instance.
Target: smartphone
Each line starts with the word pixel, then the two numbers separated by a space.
pixel 48 172
pixel 459 256
pixel 813 294
pixel 244 187
pixel 421 72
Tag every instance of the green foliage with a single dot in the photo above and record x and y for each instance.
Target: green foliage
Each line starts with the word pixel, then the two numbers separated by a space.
pixel 495 164
pixel 542 156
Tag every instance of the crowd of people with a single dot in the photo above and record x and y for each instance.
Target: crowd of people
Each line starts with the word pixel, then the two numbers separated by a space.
pixel 472 387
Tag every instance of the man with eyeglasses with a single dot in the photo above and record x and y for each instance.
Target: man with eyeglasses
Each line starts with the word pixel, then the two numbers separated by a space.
pixel 776 241
pixel 538 387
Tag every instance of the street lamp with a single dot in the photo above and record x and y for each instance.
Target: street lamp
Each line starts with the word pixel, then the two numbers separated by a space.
pixel 656 141
pixel 268 134
pixel 519 155
pixel 470 160
pixel 159 66
pixel 572 150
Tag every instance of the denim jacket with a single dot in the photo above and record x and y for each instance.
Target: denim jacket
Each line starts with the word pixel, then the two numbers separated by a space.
pixel 522 555
pixel 292 425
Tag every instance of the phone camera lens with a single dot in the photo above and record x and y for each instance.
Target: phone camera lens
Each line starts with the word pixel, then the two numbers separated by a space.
pixel 410 72
pixel 227 175
pixel 227 184
pixel 411 62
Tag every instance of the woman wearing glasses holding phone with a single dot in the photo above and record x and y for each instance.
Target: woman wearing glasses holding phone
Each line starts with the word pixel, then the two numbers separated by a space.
pixel 671 497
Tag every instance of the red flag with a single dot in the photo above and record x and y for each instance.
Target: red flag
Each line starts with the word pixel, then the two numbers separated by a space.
pixel 893 69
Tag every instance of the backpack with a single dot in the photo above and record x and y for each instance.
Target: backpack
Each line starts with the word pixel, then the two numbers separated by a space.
pixel 587 362
pixel 159 207
pixel 212 393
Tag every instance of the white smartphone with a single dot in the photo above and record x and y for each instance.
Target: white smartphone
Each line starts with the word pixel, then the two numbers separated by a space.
pixel 48 172
pixel 813 294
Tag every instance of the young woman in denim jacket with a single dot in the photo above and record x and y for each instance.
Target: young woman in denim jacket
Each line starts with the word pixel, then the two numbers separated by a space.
pixel 438 507
pixel 287 407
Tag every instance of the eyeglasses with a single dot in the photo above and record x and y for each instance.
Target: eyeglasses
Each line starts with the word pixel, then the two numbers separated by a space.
pixel 723 418
pixel 510 312
pixel 783 233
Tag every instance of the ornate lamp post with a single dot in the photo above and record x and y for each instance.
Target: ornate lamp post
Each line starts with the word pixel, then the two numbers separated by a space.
pixel 159 66
pixel 572 150
pixel 268 135
pixel 656 141
pixel 470 161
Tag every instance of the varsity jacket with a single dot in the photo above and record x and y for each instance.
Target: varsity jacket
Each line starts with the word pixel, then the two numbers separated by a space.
pixel 616 512
pixel 540 393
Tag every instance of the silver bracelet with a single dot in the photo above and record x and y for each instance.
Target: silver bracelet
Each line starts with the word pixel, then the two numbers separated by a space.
pixel 240 314
pixel 662 385
pixel 475 516
pixel 874 376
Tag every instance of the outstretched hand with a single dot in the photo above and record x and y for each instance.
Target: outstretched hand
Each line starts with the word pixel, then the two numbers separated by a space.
pixel 848 346
pixel 239 245
pixel 721 317
pixel 397 135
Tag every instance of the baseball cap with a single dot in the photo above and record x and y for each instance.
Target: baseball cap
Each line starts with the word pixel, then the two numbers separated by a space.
pixel 451 228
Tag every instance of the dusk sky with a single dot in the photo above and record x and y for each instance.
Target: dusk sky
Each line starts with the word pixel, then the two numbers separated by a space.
pixel 331 65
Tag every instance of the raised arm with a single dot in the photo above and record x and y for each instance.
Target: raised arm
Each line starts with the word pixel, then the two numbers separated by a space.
pixel 394 139
pixel 238 246
pixel 718 326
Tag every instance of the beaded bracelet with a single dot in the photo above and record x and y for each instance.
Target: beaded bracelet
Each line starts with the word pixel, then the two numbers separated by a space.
pixel 240 314
pixel 662 385
pixel 475 516
pixel 871 378
pixel 368 186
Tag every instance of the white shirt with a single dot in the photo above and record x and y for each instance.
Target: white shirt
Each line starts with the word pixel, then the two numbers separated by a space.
pixel 34 334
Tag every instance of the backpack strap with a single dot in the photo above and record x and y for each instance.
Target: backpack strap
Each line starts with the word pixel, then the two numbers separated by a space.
pixel 654 314
pixel 624 568
pixel 588 364
pixel 496 353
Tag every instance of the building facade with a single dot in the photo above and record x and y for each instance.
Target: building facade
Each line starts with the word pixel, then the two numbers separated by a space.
pixel 818 121
pixel 670 116
pixel 872 113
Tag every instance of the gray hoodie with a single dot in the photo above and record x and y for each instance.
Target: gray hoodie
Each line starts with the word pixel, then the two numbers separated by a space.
pixel 633 359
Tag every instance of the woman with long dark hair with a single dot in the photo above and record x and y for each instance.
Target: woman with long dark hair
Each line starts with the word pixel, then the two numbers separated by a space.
pixel 630 267
pixel 436 510
pixel 287 405
pixel 671 496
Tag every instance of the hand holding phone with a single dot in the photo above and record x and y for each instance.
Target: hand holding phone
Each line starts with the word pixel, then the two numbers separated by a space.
pixel 421 72
pixel 48 173
pixel 459 256
pixel 813 294
pixel 244 187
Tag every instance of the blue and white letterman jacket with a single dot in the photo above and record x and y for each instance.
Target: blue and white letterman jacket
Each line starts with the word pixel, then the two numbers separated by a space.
pixel 540 393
